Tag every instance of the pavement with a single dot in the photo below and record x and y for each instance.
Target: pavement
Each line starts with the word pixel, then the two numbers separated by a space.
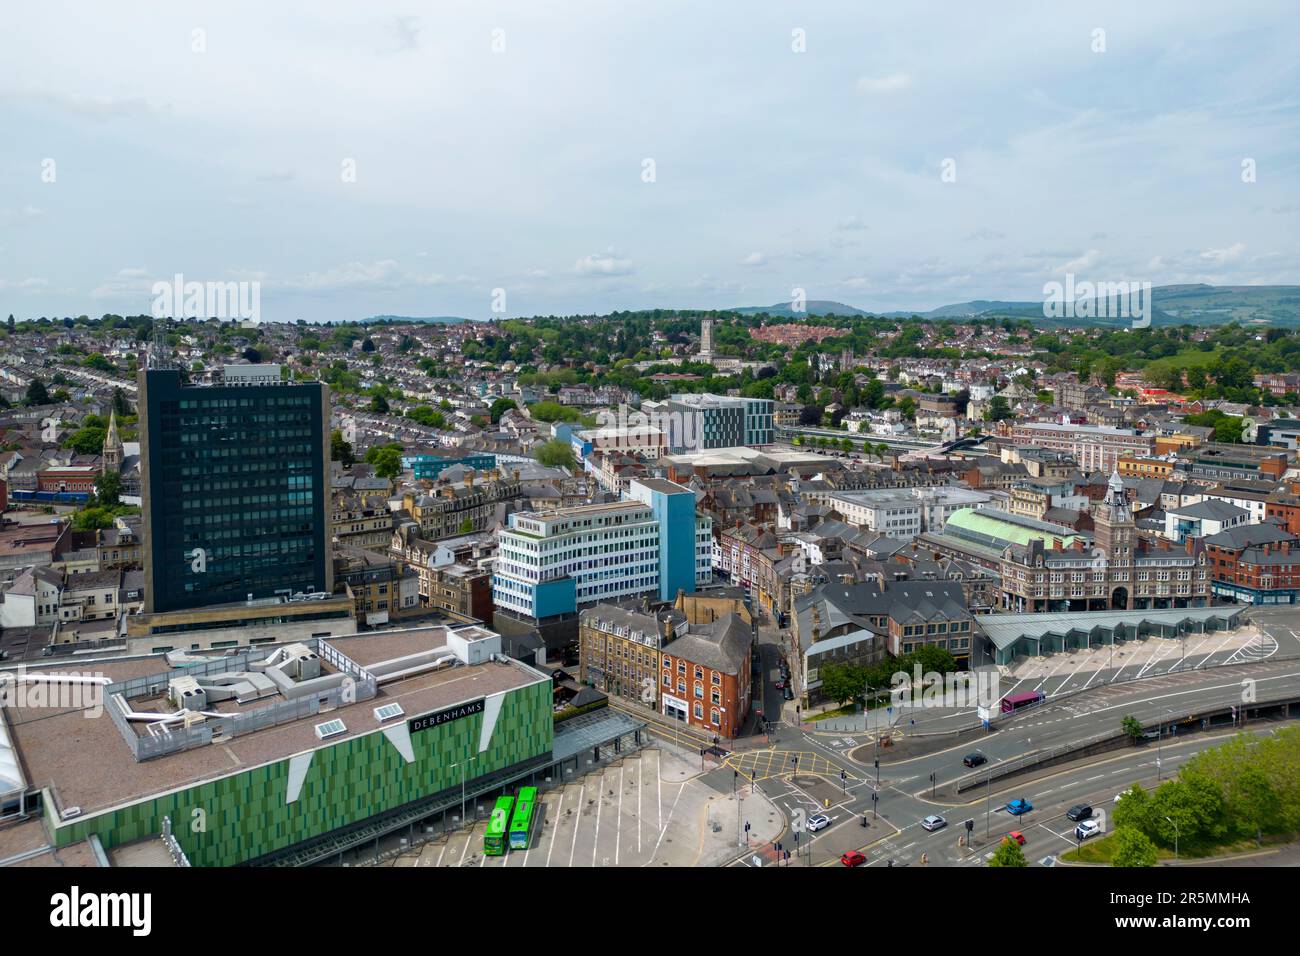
pixel 666 806
pixel 651 808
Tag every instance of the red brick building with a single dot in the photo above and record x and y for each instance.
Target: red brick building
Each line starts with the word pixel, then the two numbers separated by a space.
pixel 1255 564
pixel 80 478
pixel 704 676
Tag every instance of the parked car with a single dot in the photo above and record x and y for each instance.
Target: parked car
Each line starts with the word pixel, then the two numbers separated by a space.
pixel 853 858
pixel 779 685
pixel 1017 836
pixel 933 822
pixel 1017 807
pixel 789 694
pixel 1080 811
pixel 974 760
pixel 818 822
pixel 1087 828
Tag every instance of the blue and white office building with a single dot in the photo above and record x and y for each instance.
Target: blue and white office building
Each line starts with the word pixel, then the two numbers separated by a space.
pixel 551 563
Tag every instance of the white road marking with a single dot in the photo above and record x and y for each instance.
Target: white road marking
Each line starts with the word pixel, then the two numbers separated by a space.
pixel 556 829
pixel 582 789
pixel 618 830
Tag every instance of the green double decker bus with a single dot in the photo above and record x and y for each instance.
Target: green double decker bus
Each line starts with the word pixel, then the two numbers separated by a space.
pixel 494 839
pixel 521 824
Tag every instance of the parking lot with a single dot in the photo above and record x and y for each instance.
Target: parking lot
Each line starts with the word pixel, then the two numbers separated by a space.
pixel 649 809
pixel 1128 660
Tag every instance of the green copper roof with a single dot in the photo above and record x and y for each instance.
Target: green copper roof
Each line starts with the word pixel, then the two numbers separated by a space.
pixel 1005 528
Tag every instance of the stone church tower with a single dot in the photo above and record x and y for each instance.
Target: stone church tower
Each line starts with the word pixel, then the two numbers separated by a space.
pixel 112 453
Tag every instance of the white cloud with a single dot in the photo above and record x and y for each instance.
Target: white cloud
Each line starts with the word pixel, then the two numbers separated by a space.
pixel 603 264
pixel 1083 263
pixel 754 259
pixel 1221 257
pixel 892 83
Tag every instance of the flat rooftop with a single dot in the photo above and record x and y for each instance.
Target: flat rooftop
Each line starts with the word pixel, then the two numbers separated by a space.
pixel 582 511
pixel 85 762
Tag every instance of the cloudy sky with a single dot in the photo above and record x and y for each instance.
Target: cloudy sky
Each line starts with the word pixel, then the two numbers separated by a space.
pixel 411 158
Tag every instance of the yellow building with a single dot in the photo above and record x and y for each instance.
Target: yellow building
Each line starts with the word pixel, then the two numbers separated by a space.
pixel 1135 466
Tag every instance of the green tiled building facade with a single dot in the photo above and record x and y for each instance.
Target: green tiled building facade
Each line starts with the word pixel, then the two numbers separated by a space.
pixel 245 815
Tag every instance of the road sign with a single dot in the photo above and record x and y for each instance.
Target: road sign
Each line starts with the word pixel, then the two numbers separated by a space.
pixel 984 713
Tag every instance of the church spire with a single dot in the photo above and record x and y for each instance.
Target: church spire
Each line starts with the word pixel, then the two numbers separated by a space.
pixel 112 453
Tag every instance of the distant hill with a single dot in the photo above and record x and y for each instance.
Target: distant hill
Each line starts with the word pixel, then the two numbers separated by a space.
pixel 813 307
pixel 434 319
pixel 1171 305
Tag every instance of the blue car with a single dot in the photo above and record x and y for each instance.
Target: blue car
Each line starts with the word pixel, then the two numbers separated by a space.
pixel 1017 807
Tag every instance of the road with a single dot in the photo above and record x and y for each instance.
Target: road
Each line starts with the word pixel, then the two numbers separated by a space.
pixel 808 772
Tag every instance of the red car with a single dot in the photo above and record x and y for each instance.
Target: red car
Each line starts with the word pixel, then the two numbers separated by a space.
pixel 853 858
pixel 1017 836
pixel 779 685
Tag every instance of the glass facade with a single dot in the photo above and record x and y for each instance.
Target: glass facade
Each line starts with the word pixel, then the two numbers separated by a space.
pixel 234 491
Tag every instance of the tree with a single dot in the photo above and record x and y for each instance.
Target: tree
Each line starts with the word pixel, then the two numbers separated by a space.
pixel 1133 809
pixel 341 450
pixel 1188 810
pixel 1008 853
pixel 500 407
pixel 388 461
pixel 37 393
pixel 556 454
pixel 1132 726
pixel 467 526
pixel 1132 848
pixel 999 410
pixel 1253 803
pixel 379 405
pixel 367 345
pixel 553 412
pixel 842 683
pixel 92 519
pixel 108 489
pixel 87 440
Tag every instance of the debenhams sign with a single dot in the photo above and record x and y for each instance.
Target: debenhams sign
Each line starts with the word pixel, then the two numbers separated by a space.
pixel 446 716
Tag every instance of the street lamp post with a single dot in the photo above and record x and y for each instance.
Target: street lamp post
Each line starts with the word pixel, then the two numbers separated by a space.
pixel 1171 820
pixel 988 797
pixel 463 764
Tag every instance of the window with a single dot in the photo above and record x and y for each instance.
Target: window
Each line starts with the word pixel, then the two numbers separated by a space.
pixel 699 711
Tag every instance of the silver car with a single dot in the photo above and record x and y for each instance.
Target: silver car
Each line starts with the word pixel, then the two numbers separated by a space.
pixel 934 822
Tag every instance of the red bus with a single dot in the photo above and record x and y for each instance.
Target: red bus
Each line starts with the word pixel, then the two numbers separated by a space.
pixel 1013 702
